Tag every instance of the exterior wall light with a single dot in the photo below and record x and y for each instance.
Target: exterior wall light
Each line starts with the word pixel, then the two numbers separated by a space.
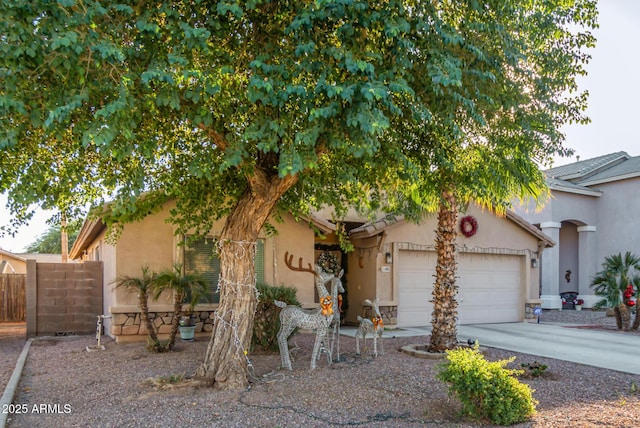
pixel 534 263
pixel 388 258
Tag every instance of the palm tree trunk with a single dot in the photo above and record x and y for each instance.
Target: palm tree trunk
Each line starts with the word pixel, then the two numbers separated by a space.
pixel 625 316
pixel 618 316
pixel 175 322
pixel 636 320
pixel 445 313
pixel 143 300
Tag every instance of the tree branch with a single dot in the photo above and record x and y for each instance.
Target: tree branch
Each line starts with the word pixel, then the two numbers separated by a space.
pixel 215 136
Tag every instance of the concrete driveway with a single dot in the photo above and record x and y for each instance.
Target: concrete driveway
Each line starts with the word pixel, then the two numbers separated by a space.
pixel 606 349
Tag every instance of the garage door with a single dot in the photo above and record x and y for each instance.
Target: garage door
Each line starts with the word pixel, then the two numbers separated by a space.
pixel 489 288
pixel 416 274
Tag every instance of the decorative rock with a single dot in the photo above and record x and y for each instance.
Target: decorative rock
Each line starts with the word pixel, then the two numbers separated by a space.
pixel 130 329
pixel 164 329
pixel 420 351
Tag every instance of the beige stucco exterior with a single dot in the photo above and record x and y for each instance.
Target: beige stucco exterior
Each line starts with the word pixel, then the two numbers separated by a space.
pixel 370 275
pixel 152 242
pixel 17 263
pixel 11 263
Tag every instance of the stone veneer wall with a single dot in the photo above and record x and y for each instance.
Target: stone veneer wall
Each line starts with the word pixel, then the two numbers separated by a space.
pixel 528 311
pixel 389 314
pixel 129 325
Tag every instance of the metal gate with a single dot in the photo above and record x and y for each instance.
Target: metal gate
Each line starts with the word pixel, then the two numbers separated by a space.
pixel 13 302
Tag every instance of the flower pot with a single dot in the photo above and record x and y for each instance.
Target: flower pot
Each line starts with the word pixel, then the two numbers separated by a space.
pixel 187 332
pixel 578 307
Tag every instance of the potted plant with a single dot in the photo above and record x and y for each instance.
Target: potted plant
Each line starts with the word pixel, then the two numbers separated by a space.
pixel 577 303
pixel 187 290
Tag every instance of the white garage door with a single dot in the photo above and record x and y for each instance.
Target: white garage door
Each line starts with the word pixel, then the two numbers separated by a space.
pixel 416 275
pixel 489 288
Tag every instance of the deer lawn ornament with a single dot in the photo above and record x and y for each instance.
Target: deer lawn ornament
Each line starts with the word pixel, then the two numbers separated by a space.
pixel 373 326
pixel 336 287
pixel 292 317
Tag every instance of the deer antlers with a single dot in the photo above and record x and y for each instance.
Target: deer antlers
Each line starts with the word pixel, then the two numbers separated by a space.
pixel 288 260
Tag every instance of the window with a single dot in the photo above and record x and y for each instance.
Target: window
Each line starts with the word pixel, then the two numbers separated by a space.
pixel 200 258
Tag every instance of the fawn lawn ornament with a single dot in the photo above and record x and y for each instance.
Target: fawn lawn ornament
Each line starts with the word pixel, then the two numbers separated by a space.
pixel 373 326
pixel 292 317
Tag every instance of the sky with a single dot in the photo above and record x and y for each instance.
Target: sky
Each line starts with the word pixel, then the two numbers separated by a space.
pixel 613 88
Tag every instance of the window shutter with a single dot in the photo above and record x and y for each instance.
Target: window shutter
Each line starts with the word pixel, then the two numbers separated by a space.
pixel 200 258
pixel 259 261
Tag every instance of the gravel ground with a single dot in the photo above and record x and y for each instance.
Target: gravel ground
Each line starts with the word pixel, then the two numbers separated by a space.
pixel 64 385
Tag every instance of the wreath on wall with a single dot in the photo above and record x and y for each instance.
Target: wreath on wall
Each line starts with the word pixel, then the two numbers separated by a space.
pixel 468 226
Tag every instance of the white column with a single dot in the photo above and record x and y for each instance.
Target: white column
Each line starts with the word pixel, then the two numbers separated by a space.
pixel 550 268
pixel 587 264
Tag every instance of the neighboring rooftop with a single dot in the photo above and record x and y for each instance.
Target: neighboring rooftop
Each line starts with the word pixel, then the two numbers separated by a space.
pixel 602 169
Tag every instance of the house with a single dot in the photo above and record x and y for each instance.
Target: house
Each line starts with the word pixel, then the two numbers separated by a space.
pixel 592 214
pixel 394 261
pixel 12 263
pixel 153 242
pixel 17 263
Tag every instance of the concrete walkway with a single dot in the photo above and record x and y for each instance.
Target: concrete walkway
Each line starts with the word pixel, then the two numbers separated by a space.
pixel 610 350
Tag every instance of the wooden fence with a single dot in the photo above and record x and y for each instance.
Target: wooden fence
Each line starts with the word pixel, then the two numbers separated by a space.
pixel 13 297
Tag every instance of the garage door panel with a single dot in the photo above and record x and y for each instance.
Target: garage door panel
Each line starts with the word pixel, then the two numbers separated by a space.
pixel 489 288
pixel 415 276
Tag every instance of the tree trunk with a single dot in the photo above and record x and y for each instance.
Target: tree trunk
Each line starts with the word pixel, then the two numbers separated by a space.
pixel 618 316
pixel 636 320
pixel 226 362
pixel 625 316
pixel 64 239
pixel 143 301
pixel 444 334
pixel 178 297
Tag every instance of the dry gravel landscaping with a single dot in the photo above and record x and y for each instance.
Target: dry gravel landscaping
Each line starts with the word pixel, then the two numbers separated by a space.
pixel 125 386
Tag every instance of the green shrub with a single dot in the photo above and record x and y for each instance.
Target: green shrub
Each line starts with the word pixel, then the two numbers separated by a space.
pixel 267 321
pixel 486 389
pixel 534 369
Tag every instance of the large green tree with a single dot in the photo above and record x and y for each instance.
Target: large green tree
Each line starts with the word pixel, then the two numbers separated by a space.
pixel 231 109
pixel 50 242
pixel 239 109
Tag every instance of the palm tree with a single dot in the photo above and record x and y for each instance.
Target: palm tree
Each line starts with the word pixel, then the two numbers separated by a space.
pixel 189 289
pixel 618 272
pixel 143 285
pixel 445 312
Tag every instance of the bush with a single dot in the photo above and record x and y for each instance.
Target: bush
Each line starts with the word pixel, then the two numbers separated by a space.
pixel 486 389
pixel 267 319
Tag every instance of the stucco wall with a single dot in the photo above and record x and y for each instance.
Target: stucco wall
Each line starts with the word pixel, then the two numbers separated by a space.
pixel 363 281
pixel 296 239
pixel 151 242
pixel 14 265
pixel 569 276
pixel 495 234
pixel 561 206
pixel 618 210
